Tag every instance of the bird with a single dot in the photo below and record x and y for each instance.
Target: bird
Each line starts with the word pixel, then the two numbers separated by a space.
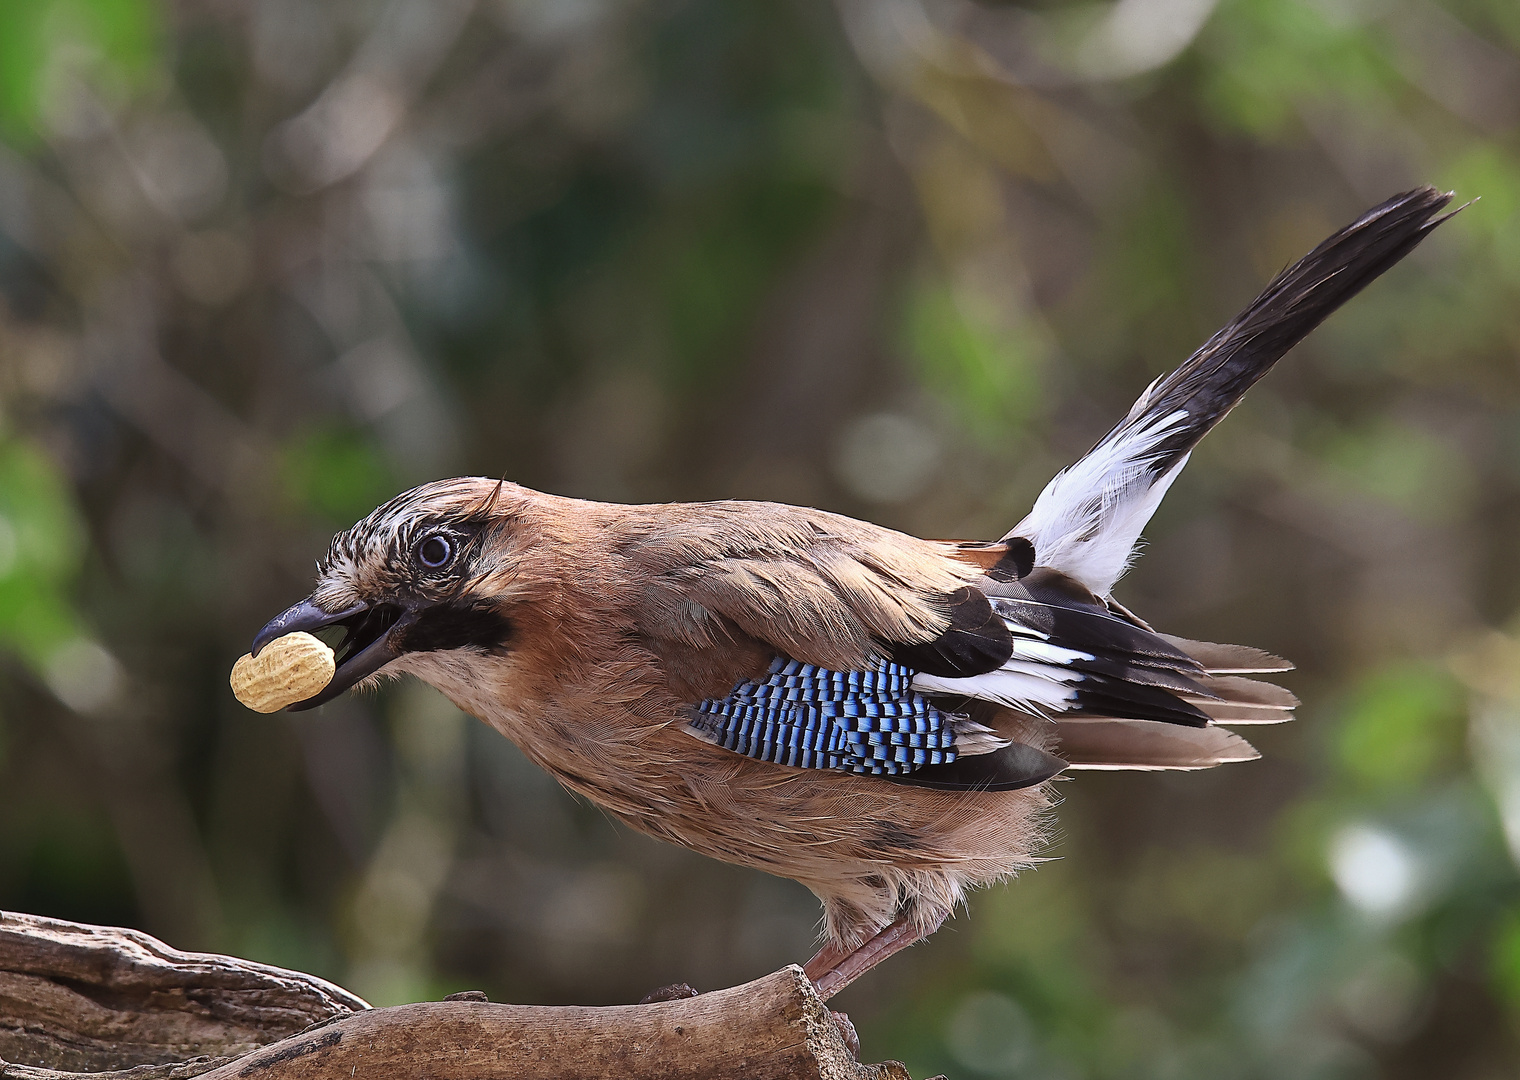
pixel 877 716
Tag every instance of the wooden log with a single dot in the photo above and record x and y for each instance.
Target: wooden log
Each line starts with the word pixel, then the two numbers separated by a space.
pixel 92 999
pixel 774 1028
pixel 95 1003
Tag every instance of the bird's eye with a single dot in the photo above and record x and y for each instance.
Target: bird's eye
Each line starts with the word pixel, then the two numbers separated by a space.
pixel 435 551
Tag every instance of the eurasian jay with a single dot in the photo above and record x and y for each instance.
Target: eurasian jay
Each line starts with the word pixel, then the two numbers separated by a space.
pixel 876 716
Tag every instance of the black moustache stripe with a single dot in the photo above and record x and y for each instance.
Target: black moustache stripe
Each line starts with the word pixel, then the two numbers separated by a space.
pixel 458 626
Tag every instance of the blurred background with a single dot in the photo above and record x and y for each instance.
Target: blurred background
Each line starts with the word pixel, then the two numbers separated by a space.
pixel 264 263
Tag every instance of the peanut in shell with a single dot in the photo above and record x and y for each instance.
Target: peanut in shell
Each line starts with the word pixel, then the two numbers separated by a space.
pixel 287 670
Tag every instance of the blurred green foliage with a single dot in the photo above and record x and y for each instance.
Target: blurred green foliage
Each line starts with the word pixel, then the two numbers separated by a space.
pixel 335 474
pixel 117 41
pixel 1400 726
pixel 1266 60
pixel 987 375
pixel 41 543
pixel 263 264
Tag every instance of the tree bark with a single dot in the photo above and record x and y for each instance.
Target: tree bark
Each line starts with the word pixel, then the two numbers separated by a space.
pixel 82 1001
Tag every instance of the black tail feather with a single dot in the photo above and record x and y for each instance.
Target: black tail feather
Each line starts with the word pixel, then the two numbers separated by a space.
pixel 1214 379
pixel 1088 519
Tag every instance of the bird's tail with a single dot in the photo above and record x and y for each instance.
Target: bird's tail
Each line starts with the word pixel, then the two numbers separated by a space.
pixel 1088 519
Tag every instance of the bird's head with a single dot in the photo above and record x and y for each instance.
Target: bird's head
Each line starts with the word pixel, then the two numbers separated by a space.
pixel 436 569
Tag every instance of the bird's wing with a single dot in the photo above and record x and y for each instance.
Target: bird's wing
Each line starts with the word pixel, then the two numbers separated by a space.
pixel 872 722
pixel 726 586
pixel 1088 519
pixel 1070 654
pixel 868 721
pixel 1101 742
pixel 798 636
pixel 1119 695
pixel 1091 741
pixel 837 645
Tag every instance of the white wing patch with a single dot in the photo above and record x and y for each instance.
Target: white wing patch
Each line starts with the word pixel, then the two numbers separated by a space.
pixel 1037 678
pixel 1020 690
pixel 1041 651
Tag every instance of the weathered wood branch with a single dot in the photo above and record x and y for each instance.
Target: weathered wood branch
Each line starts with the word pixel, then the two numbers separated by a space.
pixel 82 1001
pixel 91 999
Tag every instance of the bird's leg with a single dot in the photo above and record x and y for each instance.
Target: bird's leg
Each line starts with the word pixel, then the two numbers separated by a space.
pixel 835 967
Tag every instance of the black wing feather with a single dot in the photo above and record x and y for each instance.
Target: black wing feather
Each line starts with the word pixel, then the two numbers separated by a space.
pixel 977 641
pixel 1017 765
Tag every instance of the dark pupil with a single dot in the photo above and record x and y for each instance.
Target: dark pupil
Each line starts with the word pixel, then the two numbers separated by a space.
pixel 434 551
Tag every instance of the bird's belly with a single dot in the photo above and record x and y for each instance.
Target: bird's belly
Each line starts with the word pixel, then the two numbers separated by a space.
pixel 838 833
pixel 866 846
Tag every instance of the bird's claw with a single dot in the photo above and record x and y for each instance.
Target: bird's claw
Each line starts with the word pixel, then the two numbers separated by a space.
pixel 846 1032
pixel 673 992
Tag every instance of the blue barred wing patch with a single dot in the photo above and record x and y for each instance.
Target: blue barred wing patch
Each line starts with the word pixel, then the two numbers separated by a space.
pixel 868 722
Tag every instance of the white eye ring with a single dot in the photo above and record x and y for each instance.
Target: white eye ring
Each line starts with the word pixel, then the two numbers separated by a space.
pixel 435 552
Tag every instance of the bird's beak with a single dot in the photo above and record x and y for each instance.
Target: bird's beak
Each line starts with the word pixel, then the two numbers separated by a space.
pixel 371 641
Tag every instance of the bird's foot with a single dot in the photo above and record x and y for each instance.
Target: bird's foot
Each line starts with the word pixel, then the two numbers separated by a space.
pixel 673 992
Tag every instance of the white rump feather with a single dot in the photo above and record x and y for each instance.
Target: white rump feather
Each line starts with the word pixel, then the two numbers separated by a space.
pixel 1087 522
